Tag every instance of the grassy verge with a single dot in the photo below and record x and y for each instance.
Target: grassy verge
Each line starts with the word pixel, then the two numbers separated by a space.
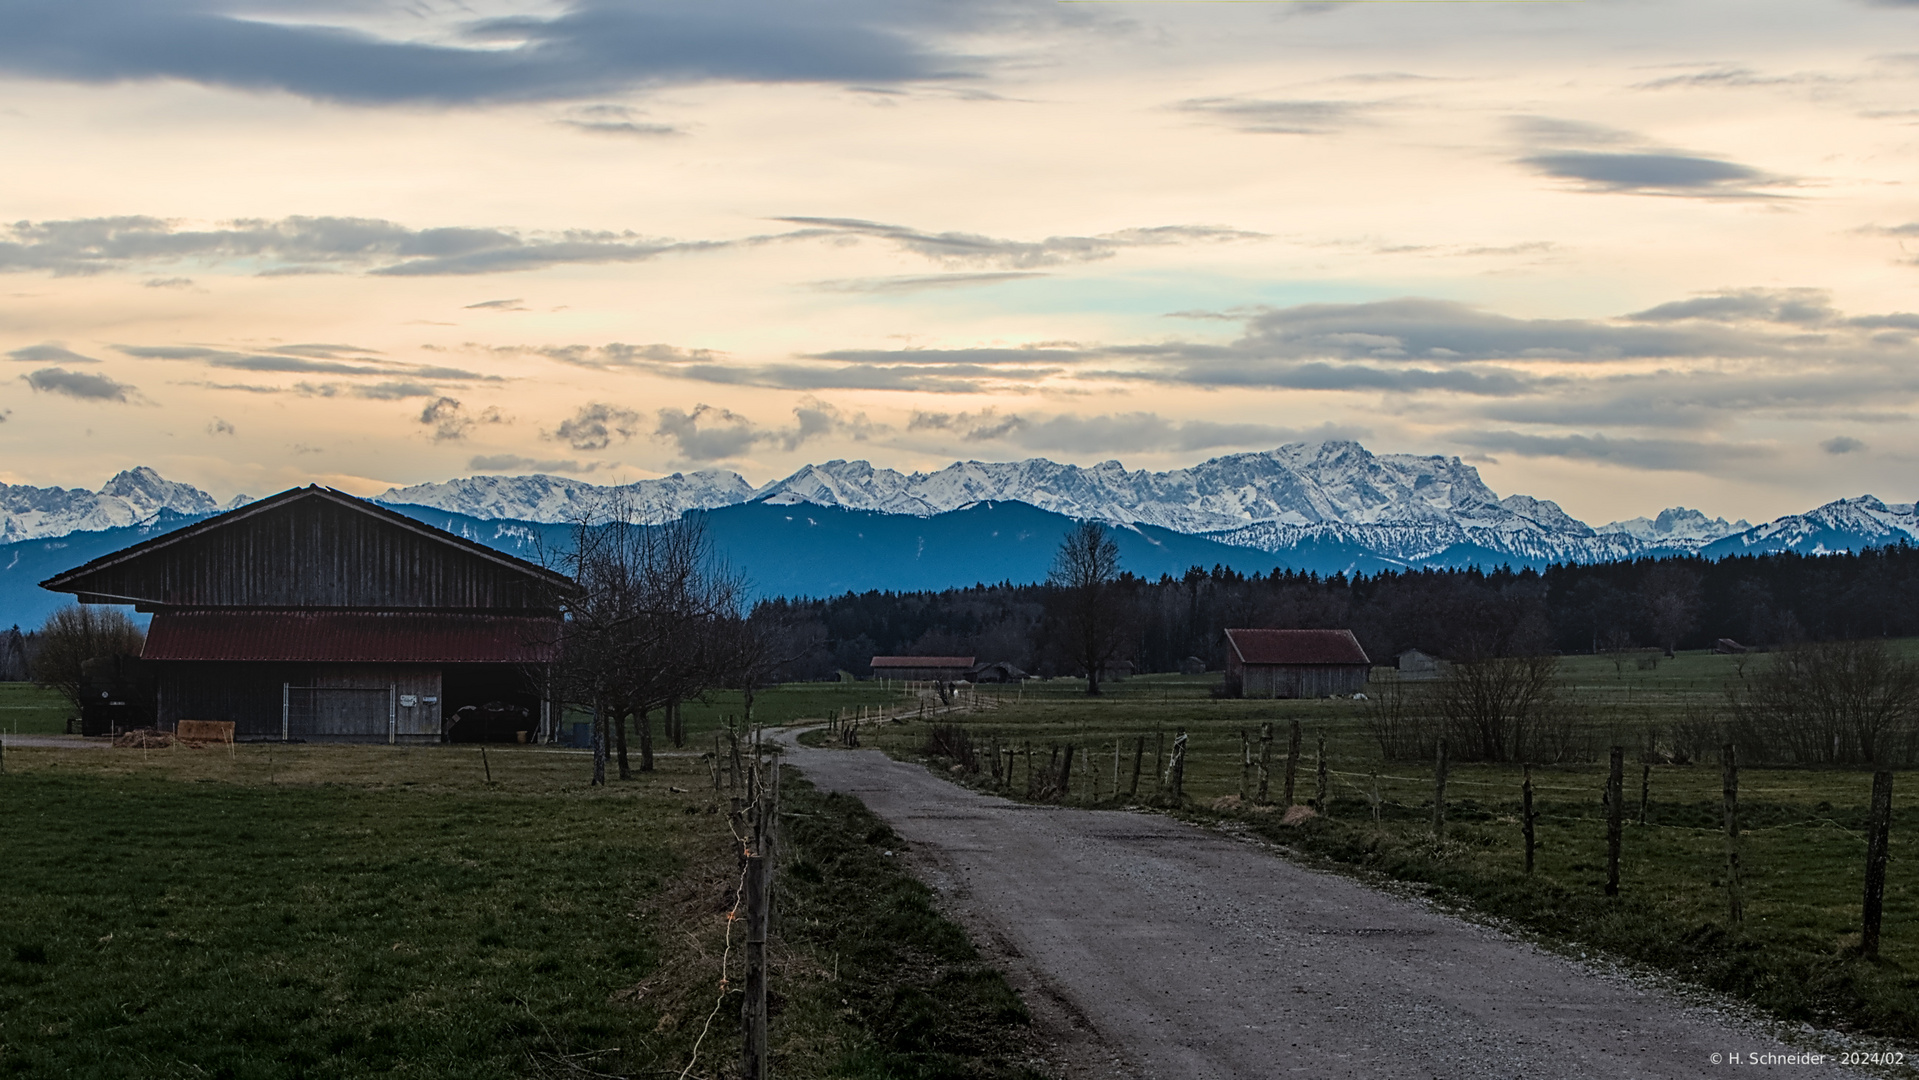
pixel 908 997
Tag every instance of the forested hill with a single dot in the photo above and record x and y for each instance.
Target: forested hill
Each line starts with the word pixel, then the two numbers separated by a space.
pixel 1682 602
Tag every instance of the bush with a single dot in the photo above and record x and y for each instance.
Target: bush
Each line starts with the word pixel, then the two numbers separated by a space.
pixel 74 635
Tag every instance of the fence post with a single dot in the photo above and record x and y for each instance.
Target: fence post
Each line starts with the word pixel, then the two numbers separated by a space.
pixel 1066 774
pixel 1176 772
pixel 392 714
pixel 286 708
pixel 1735 904
pixel 1159 763
pixel 1292 763
pixel 1324 793
pixel 1615 816
pixel 1527 817
pixel 1878 834
pixel 1645 791
pixel 1265 760
pixel 753 1009
pixel 1245 763
pixel 1139 758
pixel 1439 793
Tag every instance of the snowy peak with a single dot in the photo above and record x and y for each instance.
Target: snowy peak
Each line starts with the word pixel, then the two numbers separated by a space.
pixel 133 497
pixel 1842 525
pixel 554 499
pixel 1679 526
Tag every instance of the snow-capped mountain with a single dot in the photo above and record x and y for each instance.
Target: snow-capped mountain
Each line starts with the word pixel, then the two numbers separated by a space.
pixel 1310 503
pixel 133 497
pixel 1842 525
pixel 1678 525
pixel 553 499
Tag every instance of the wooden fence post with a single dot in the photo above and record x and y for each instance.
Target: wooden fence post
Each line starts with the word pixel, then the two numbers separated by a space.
pixel 1645 791
pixel 1292 763
pixel 1066 774
pixel 1176 772
pixel 1265 761
pixel 1159 763
pixel 1735 903
pixel 1878 834
pixel 1245 764
pixel 1527 817
pixel 1139 758
pixel 1439 793
pixel 1615 816
pixel 1323 793
pixel 753 1009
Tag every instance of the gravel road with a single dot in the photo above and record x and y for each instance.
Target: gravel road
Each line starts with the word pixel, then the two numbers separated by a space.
pixel 1184 953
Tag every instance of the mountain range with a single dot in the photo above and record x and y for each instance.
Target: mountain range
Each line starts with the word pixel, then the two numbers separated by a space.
pixel 1325 507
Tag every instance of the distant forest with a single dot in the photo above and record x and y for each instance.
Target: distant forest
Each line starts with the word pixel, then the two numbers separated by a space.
pixel 1673 603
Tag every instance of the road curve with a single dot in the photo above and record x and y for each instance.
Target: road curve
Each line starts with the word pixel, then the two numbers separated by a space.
pixel 1195 955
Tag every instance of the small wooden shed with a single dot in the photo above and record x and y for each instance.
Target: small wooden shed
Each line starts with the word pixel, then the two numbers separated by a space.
pixel 1294 663
pixel 947 669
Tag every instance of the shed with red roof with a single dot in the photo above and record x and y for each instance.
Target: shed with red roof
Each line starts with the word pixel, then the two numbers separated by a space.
pixel 1294 663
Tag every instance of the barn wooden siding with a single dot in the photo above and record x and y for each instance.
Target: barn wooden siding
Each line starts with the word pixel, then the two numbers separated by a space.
pixel 1302 680
pixel 314 553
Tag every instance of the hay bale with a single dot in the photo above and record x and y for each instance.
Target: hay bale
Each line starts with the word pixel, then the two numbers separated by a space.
pixel 144 739
pixel 1226 802
pixel 1298 815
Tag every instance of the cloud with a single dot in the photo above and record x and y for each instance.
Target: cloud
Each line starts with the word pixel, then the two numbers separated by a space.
pixel 497 305
pixel 1289 117
pixel 708 433
pixel 169 283
pixel 1810 306
pixel 923 282
pixel 1137 431
pixel 1666 455
pixel 1842 444
pixel 1610 161
pixel 450 421
pixel 314 245
pixel 299 360
pixel 217 426
pixel 580 50
pixel 79 384
pixel 49 353
pixel 596 425
pixel 974 249
pixel 514 463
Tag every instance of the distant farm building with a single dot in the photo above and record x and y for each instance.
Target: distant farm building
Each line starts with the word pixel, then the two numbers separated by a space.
pixel 1294 663
pixel 315 615
pixel 1192 665
pixel 997 672
pixel 945 669
pixel 1416 666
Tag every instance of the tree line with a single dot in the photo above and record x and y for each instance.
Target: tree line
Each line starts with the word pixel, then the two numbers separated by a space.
pixel 1762 601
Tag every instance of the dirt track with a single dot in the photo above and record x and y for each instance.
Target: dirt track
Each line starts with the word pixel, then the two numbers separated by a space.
pixel 1183 953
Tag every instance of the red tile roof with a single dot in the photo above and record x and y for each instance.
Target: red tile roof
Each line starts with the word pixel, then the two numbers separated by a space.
pixel 922 661
pixel 385 637
pixel 1297 647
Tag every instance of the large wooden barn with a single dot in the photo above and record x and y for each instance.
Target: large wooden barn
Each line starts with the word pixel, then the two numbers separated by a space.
pixel 1295 663
pixel 315 615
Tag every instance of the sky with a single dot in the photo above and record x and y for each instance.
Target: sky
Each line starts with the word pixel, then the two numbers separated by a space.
pixel 1619 254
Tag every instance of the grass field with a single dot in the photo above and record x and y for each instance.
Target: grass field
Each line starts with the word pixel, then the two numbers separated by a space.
pixel 348 911
pixel 25 709
pixel 1802 845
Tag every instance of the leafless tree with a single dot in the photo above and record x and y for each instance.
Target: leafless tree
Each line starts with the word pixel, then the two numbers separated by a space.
pixel 74 635
pixel 1671 597
pixel 1087 601
pixel 1494 708
pixel 1842 702
pixel 645 630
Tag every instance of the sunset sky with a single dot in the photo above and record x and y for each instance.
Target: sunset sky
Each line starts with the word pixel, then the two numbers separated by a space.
pixel 1622 255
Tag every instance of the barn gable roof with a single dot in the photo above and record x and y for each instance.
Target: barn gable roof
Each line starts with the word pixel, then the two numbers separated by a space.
pixel 89 577
pixel 1296 647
